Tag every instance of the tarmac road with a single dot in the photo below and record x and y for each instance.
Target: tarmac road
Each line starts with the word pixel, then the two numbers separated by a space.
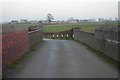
pixel 62 59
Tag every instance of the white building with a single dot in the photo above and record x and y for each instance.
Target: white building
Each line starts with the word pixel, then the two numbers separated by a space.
pixel 72 20
pixel 14 21
pixel 23 21
pixel 33 21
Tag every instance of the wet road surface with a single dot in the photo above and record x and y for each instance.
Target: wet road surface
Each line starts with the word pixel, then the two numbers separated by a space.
pixel 62 59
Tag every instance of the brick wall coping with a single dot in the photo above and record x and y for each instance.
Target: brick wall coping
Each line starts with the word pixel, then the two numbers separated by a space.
pixel 34 31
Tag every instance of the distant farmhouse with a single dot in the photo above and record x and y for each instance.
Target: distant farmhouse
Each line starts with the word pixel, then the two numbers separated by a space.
pixel 14 21
pixel 33 21
pixel 72 20
pixel 84 20
pixel 23 21
pixel 43 21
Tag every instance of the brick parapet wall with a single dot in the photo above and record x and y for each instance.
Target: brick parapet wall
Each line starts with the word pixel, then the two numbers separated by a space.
pixel 14 44
pixel 16 41
pixel 98 41
pixel 107 33
pixel 35 37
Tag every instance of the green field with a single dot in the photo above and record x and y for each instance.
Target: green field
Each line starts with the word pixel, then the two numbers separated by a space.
pixel 85 26
pixel 28 25
pixel 24 25
pixel 89 27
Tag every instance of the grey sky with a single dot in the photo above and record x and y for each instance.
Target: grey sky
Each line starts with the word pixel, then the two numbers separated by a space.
pixel 61 9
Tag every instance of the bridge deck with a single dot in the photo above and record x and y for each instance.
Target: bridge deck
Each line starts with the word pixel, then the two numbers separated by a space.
pixel 62 59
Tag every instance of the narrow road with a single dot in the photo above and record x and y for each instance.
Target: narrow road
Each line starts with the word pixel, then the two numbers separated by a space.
pixel 62 59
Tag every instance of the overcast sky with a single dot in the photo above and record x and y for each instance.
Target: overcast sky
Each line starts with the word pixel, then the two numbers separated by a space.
pixel 60 9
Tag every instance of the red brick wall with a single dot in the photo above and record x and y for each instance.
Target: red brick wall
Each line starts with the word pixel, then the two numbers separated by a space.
pixel 14 44
pixel 0 54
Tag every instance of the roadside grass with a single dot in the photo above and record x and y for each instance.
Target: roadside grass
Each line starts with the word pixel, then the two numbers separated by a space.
pixel 101 55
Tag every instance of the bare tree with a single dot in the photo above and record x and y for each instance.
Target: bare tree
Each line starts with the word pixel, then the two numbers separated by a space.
pixel 50 17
